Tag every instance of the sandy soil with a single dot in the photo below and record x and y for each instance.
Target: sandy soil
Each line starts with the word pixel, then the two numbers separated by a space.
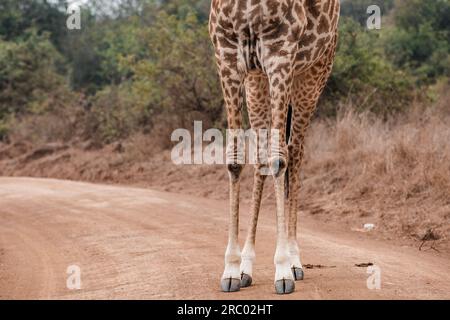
pixel 133 243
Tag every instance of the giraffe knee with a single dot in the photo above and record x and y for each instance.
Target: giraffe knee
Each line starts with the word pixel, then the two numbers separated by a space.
pixel 235 170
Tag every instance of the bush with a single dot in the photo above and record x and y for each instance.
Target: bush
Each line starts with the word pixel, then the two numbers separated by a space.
pixel 148 63
pixel 29 77
pixel 363 75
pixel 177 73
pixel 420 41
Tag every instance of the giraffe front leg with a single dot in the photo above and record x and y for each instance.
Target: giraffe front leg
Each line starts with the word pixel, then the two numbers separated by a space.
pixel 231 85
pixel 295 155
pixel 231 281
pixel 280 74
pixel 284 280
pixel 258 107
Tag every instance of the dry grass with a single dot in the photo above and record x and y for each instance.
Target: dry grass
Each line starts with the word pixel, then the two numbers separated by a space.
pixel 395 173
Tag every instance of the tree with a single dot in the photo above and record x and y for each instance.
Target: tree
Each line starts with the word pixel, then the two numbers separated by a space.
pixel 420 40
pixel 362 74
pixel 29 77
pixel 17 16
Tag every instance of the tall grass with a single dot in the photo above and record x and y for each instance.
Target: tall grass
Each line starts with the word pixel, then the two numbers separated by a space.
pixel 396 172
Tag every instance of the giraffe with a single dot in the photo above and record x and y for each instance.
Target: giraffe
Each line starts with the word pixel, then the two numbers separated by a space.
pixel 280 53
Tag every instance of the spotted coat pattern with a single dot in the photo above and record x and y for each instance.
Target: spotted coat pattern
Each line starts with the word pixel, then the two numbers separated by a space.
pixel 280 52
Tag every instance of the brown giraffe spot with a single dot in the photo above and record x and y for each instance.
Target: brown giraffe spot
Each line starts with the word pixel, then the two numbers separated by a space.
pixel 224 24
pixel 323 25
pixel 275 30
pixel 273 5
pixel 230 58
pixel 225 43
pixel 326 6
pixel 313 7
pixel 307 39
pixel 304 55
pixel 295 34
pixel 310 25
pixel 275 47
pixel 225 73
pixel 275 82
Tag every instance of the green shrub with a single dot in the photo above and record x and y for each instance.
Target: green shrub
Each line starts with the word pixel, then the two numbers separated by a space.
pixel 362 75
pixel 29 77
pixel 420 40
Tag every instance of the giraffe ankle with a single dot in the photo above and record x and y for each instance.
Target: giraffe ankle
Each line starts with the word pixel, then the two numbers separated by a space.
pixel 278 166
pixel 235 170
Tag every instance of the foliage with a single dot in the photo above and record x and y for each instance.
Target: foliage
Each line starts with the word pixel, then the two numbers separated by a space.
pixel 170 72
pixel 143 63
pixel 29 78
pixel 420 40
pixel 178 72
pixel 18 16
pixel 363 75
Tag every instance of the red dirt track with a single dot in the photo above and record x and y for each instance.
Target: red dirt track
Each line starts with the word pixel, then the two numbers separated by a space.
pixel 133 243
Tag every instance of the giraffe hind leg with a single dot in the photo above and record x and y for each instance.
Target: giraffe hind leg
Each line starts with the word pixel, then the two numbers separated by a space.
pixel 258 104
pixel 306 91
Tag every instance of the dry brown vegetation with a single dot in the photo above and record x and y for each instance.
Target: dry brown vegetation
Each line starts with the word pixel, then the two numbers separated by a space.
pixel 395 174
pixel 358 169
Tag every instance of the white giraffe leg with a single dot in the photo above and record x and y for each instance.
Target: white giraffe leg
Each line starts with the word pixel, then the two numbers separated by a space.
pixel 296 264
pixel 284 280
pixel 248 259
pixel 231 280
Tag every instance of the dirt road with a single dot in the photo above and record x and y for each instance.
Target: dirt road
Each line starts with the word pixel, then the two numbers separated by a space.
pixel 135 243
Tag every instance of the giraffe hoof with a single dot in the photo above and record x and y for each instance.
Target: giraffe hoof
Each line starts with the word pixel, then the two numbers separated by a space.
pixel 284 286
pixel 246 280
pixel 230 285
pixel 298 273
